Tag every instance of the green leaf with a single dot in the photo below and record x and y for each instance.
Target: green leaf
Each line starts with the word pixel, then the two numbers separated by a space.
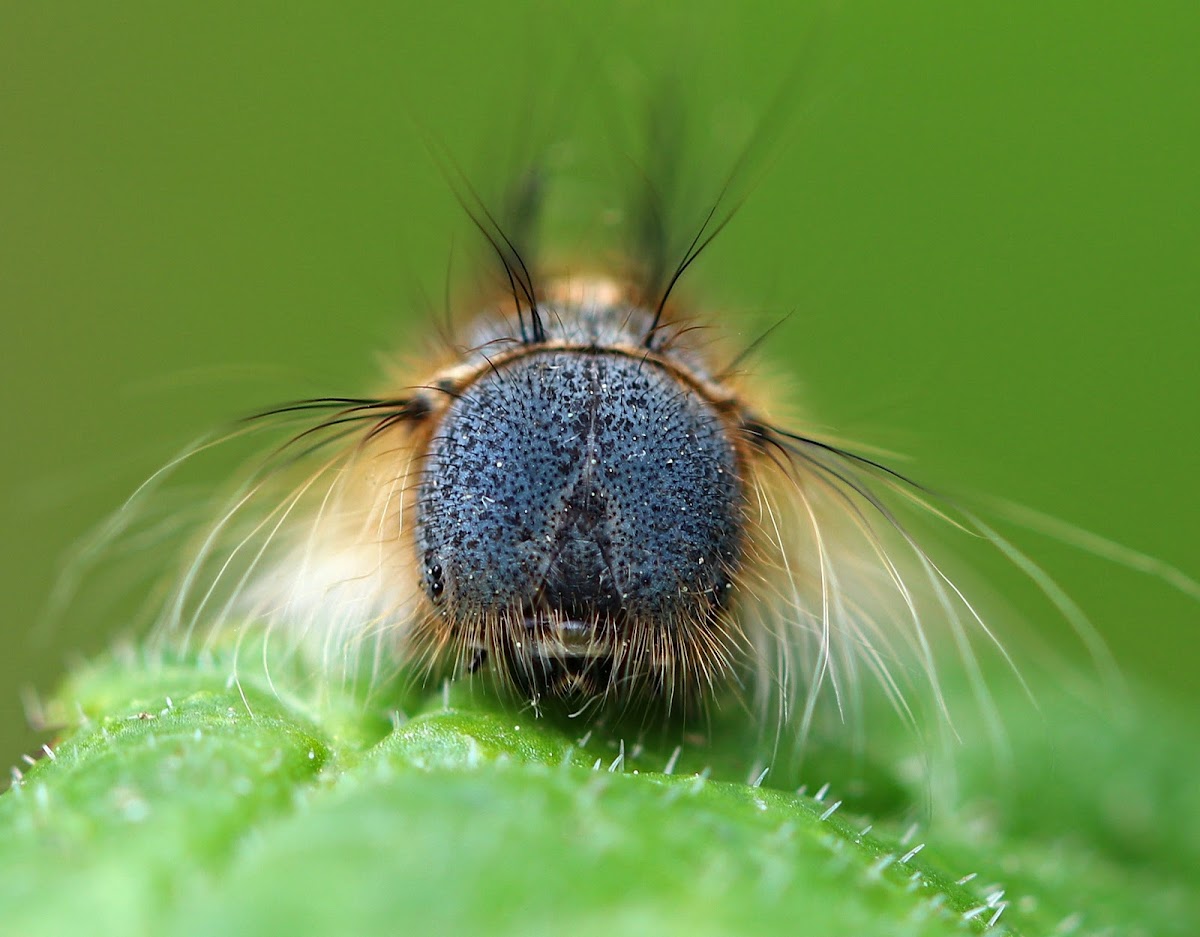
pixel 182 801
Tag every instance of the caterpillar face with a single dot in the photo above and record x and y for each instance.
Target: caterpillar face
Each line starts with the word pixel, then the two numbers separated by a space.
pixel 581 513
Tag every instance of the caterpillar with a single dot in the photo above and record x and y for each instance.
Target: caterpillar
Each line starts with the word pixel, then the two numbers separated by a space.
pixel 580 491
pixel 582 494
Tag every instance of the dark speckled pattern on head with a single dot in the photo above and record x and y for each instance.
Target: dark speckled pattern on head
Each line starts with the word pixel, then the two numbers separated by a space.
pixel 580 486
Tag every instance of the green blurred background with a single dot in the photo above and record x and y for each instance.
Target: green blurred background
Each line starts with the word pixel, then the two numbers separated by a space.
pixel 986 218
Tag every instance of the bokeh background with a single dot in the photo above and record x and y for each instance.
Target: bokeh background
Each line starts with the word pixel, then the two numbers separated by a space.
pixel 985 219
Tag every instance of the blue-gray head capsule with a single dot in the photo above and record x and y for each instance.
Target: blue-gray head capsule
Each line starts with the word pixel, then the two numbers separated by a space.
pixel 581 515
